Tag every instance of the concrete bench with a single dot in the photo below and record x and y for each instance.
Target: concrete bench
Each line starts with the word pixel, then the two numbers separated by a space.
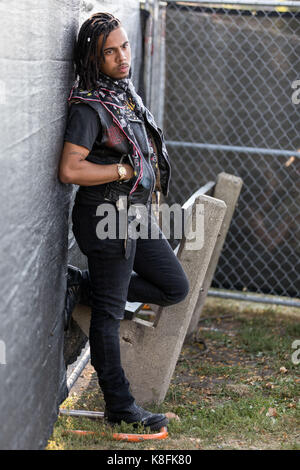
pixel 150 350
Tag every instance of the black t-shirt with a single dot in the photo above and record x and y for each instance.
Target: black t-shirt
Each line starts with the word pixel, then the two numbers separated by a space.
pixel 84 126
pixel 84 129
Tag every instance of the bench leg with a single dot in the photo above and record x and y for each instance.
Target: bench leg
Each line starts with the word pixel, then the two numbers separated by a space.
pixel 228 188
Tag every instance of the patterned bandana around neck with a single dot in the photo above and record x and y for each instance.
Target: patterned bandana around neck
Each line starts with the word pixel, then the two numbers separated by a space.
pixel 124 90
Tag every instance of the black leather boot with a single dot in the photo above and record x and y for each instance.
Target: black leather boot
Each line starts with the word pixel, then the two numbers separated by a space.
pixel 78 291
pixel 135 414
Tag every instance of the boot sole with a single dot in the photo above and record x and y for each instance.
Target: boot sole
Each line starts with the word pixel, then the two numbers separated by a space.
pixel 153 427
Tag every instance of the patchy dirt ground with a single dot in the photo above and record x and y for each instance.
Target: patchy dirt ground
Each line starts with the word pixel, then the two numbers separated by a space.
pixel 211 347
pixel 234 386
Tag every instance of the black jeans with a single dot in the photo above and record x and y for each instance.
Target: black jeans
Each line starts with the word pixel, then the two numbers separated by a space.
pixel 151 274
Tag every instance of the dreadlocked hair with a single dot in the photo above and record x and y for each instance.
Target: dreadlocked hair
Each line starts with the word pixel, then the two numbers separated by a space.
pixel 86 61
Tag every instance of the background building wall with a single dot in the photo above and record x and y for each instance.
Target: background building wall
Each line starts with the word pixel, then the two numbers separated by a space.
pixel 37 38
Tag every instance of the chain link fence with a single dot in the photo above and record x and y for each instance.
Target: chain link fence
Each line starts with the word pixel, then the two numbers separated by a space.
pixel 231 105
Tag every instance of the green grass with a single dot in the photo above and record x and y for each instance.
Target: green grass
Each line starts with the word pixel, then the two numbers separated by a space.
pixel 242 392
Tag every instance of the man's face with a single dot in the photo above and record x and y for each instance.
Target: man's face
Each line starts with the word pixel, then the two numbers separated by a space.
pixel 117 54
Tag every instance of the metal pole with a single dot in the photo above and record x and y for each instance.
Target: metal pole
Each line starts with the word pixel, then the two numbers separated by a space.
pixel 271 3
pixel 82 413
pixel 260 298
pixel 235 148
pixel 78 369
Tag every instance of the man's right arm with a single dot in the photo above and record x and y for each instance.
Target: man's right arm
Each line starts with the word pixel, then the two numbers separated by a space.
pixel 74 169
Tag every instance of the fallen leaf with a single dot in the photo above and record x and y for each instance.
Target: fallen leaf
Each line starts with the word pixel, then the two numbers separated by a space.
pixel 283 370
pixel 172 416
pixel 271 412
pixel 262 410
pixel 239 389
pixel 269 385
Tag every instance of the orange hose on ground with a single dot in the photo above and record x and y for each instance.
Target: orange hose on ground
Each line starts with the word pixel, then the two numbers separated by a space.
pixel 162 434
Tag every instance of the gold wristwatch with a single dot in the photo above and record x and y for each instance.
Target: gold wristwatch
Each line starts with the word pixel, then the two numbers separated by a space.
pixel 122 172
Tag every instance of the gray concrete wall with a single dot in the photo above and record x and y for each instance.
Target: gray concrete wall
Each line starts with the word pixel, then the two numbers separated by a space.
pixel 37 38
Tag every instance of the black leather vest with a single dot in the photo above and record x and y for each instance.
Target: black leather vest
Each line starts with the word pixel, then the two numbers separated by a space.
pixel 117 145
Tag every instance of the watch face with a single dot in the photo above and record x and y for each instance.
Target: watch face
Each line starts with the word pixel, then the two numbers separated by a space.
pixel 122 171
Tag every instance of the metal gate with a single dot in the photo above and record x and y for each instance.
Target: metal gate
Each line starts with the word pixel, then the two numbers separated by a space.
pixel 232 102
